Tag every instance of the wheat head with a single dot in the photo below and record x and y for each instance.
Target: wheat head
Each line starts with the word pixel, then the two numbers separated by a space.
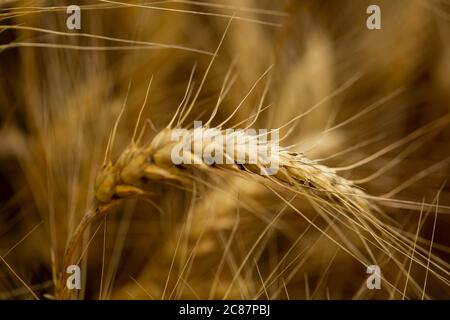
pixel 142 168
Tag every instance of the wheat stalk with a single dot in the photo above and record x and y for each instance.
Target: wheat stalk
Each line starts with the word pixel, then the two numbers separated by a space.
pixel 140 168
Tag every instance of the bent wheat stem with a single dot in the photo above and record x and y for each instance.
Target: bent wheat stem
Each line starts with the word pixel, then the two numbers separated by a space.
pixel 95 211
pixel 139 167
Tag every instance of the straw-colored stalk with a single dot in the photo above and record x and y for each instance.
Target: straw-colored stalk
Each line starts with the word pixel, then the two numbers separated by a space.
pixel 141 169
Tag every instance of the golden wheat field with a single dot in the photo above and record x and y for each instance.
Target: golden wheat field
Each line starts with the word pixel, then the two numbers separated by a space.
pixel 88 183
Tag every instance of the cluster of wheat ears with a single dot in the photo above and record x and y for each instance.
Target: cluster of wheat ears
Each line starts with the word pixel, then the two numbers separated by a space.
pixel 212 230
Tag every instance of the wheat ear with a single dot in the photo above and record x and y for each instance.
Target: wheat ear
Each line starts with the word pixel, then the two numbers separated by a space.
pixel 141 167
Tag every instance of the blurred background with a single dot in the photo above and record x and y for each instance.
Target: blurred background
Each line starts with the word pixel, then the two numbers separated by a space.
pixel 377 104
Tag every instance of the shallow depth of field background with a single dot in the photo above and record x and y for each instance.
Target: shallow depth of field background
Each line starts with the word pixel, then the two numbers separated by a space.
pixel 61 92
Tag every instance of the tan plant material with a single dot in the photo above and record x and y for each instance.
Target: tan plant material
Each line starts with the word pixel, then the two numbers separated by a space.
pixel 142 166
pixel 363 117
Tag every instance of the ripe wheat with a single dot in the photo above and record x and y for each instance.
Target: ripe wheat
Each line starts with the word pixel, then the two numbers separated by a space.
pixel 140 166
